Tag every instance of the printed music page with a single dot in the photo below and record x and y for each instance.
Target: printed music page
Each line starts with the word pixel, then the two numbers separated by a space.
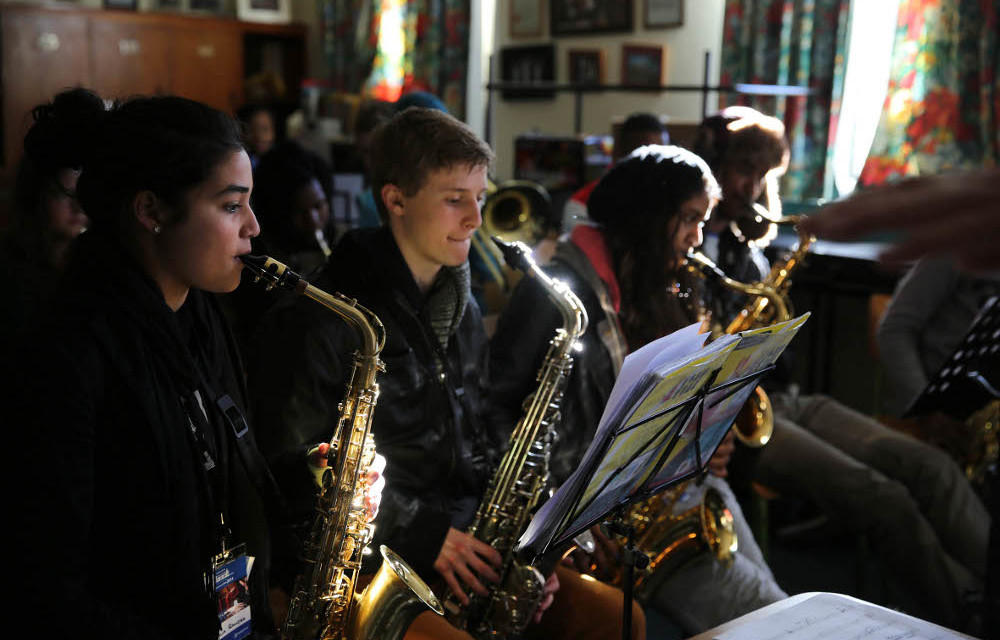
pixel 828 615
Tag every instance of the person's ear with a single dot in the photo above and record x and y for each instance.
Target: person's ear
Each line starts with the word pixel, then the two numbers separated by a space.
pixel 394 200
pixel 149 211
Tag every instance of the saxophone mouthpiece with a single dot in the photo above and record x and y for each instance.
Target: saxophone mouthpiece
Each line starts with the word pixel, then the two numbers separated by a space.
pixel 252 261
pixel 516 254
pixel 273 273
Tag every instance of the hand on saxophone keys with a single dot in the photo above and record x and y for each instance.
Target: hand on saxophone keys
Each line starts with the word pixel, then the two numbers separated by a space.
pixel 318 460
pixel 463 560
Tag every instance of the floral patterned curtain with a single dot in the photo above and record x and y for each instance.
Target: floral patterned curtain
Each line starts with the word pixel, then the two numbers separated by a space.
pixel 943 106
pixel 791 42
pixel 350 37
pixel 432 56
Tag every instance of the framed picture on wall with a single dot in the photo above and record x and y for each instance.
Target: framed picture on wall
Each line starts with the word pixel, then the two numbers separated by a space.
pixel 525 18
pixel 663 13
pixel 573 17
pixel 264 10
pixel 586 66
pixel 642 65
pixel 528 65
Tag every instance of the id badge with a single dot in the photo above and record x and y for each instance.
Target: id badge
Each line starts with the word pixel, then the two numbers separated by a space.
pixel 231 572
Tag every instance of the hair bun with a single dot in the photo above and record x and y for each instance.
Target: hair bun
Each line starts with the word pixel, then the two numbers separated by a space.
pixel 64 130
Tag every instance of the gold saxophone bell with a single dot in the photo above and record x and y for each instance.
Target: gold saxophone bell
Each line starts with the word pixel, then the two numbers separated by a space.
pixel 673 540
pixel 391 601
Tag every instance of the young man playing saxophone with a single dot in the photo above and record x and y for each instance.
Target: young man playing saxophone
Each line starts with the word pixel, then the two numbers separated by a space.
pixel 429 177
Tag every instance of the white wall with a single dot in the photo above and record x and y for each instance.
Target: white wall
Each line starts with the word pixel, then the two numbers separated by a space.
pixel 686 46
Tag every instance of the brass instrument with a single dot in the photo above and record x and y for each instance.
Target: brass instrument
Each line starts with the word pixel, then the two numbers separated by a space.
pixel 516 211
pixel 755 422
pixel 324 605
pixel 521 478
pixel 672 540
pixel 985 447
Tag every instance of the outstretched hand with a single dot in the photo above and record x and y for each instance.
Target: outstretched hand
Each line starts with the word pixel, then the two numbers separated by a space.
pixel 464 561
pixel 955 214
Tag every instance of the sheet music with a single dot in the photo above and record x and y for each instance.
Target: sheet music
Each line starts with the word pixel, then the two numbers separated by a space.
pixel 670 347
pixel 828 616
pixel 645 420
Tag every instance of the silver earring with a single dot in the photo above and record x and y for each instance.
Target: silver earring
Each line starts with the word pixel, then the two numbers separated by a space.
pixel 156 229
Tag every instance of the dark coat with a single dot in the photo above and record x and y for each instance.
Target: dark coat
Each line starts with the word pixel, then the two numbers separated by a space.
pixel 426 420
pixel 518 347
pixel 115 513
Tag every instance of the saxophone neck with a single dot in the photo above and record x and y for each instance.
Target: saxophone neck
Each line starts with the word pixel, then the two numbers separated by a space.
pixel 518 256
pixel 369 329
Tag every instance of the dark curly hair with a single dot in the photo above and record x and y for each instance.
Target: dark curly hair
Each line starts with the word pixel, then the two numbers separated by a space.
pixel 636 203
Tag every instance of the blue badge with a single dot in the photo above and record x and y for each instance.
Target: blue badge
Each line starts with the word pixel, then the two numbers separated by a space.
pixel 232 594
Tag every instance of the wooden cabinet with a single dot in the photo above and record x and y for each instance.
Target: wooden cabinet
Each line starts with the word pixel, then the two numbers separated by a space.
pixel 43 52
pixel 123 53
pixel 208 64
pixel 129 57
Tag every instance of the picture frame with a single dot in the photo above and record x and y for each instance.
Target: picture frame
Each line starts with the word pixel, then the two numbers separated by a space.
pixel 525 18
pixel 569 18
pixel 124 5
pixel 642 65
pixel 659 14
pixel 586 66
pixel 528 64
pixel 276 11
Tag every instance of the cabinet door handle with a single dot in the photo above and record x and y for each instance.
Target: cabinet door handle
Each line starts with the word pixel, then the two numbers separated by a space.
pixel 128 47
pixel 205 51
pixel 48 42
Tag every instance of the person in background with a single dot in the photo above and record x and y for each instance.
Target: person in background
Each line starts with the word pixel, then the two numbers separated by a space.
pixel 258 123
pixel 47 217
pixel 626 264
pixel 371 114
pixel 291 198
pixel 953 215
pixel 915 505
pixel 931 310
pixel 638 130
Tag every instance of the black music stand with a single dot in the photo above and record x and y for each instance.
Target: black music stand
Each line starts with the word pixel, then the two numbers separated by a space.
pixel 663 449
pixel 970 377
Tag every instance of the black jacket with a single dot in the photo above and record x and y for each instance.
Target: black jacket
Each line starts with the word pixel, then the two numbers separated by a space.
pixel 426 420
pixel 116 516
pixel 528 324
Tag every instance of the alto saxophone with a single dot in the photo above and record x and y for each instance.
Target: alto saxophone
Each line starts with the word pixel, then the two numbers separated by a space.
pixel 521 478
pixel 324 605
